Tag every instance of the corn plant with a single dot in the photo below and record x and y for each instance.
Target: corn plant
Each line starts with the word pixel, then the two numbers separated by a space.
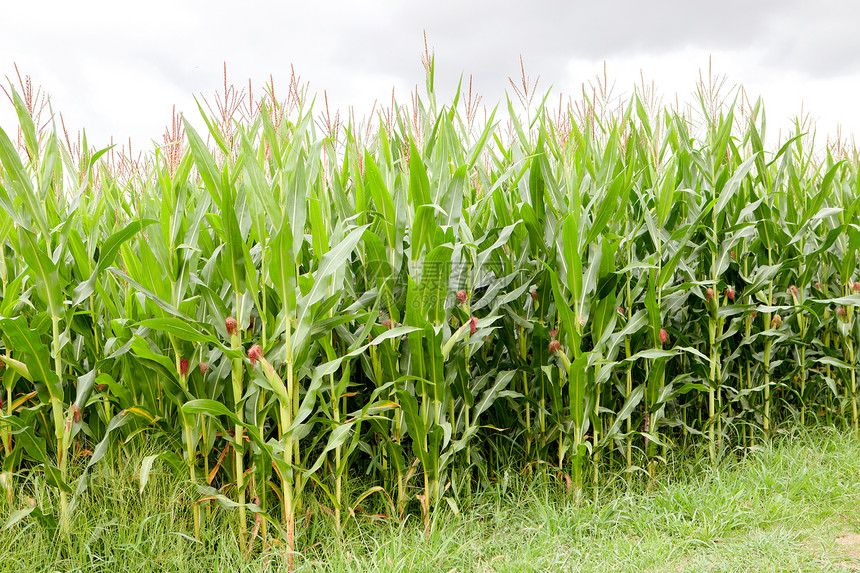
pixel 283 303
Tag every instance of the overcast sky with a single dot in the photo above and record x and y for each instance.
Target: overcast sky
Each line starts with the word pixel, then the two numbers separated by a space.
pixel 118 68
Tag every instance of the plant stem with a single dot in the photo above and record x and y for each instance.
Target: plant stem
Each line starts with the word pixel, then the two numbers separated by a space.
pixel 59 428
pixel 238 373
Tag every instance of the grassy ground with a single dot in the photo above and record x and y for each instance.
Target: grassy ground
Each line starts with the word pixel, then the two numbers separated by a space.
pixel 792 506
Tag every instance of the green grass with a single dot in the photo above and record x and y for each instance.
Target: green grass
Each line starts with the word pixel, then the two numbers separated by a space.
pixel 790 506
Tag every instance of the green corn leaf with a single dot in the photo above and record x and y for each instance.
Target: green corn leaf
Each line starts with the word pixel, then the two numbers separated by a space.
pixel 38 362
pixel 205 163
pixel 234 245
pixel 577 388
pixel 732 186
pixel 25 121
pixel 381 198
pixel 419 183
pixel 151 296
pixel 411 412
pixel 569 321
pixel 433 289
pixel 630 404
pixel 145 469
pixel 108 253
pixel 22 185
pixel 43 271
pixel 330 263
pixel 502 380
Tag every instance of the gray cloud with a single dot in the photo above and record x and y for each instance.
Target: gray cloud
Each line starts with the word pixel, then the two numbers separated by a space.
pixel 550 32
pixel 819 39
pixel 361 47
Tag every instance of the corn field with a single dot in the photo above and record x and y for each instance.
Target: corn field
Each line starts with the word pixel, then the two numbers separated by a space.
pixel 281 302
